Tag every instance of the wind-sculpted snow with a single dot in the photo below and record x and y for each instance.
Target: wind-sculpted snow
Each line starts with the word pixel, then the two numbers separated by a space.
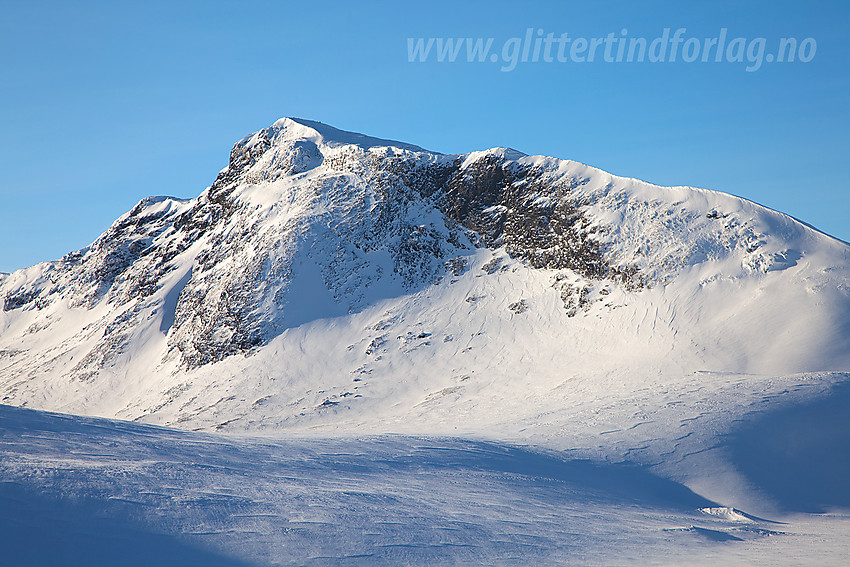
pixel 76 491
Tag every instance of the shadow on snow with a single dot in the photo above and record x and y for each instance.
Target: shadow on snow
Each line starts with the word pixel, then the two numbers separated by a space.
pixel 799 456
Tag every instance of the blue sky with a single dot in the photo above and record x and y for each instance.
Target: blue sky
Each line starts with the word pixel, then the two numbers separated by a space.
pixel 103 104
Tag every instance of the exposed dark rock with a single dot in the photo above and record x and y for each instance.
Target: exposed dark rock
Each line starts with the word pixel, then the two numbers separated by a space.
pixel 520 306
pixel 535 218
pixel 20 298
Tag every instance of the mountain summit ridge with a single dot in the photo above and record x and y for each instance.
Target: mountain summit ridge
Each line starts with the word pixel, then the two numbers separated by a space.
pixel 321 133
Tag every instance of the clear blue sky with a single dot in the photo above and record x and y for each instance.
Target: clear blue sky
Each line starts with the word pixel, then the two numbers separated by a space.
pixel 103 104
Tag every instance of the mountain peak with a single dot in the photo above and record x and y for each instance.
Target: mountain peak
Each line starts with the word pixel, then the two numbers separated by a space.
pixel 291 146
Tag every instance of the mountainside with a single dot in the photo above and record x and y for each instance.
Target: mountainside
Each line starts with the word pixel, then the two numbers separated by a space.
pixel 327 277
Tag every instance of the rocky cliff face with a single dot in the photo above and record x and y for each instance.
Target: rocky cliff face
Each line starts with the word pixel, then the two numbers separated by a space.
pixel 420 209
pixel 308 222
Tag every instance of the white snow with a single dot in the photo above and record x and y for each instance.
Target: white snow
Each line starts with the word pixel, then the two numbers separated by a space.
pixel 78 491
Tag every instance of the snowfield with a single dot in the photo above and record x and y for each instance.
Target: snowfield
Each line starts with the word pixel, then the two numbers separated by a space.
pixel 365 352
pixel 82 491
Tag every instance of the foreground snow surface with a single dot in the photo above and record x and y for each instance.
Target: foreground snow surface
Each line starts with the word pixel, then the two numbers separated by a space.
pixel 87 491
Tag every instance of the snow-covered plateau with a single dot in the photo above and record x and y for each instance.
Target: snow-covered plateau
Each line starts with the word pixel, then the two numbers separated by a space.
pixel 350 350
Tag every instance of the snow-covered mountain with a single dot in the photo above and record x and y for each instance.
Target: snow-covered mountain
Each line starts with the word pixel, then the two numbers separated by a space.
pixel 319 257
pixel 330 285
